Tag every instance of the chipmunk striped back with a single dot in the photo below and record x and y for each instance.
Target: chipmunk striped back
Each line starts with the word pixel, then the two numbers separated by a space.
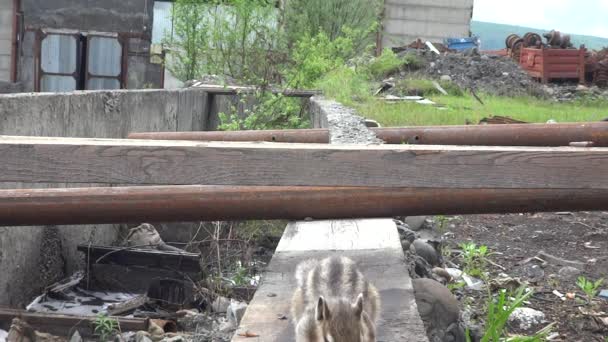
pixel 334 302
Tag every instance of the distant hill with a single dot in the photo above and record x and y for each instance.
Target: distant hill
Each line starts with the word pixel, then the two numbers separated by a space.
pixel 493 35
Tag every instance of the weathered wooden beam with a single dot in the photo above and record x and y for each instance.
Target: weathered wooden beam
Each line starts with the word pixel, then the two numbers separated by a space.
pixel 373 244
pixel 72 160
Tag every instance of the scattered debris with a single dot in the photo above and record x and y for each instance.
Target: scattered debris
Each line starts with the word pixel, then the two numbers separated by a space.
pixel 473 283
pixel 559 261
pixel 499 120
pixel 235 312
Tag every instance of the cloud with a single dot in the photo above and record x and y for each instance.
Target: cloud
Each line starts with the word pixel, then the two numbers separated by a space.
pixel 564 15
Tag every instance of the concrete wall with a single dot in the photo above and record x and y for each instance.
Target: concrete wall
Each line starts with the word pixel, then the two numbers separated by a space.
pixel 33 257
pixel 6 32
pixel 407 20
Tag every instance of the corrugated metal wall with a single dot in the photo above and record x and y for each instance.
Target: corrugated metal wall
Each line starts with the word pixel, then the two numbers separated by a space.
pixel 434 20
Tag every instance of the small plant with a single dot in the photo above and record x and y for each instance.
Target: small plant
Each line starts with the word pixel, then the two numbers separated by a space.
pixel 456 286
pixel 105 326
pixel 474 258
pixel 241 276
pixel 589 287
pixel 441 223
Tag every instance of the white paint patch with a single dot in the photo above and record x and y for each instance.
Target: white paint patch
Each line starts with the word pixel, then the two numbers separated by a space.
pixel 340 235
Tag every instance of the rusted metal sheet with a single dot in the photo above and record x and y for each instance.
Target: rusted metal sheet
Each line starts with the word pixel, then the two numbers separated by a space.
pixel 210 203
pixel 485 135
pixel 62 325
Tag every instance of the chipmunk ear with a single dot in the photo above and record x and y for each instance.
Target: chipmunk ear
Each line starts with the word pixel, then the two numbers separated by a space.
pixel 322 311
pixel 358 305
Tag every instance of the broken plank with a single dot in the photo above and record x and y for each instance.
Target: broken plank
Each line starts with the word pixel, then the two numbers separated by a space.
pixel 373 244
pixel 128 256
pixel 64 325
pixel 108 161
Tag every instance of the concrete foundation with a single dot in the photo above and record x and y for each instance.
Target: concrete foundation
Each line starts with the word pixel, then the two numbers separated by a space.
pixel 33 257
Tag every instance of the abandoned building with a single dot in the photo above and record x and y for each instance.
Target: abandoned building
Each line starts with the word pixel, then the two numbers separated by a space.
pixel 66 45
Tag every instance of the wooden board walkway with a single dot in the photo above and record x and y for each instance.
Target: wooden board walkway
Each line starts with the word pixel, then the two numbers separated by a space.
pixel 372 243
pixel 107 161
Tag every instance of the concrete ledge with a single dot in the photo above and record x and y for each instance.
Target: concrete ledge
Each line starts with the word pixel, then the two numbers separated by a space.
pixel 345 126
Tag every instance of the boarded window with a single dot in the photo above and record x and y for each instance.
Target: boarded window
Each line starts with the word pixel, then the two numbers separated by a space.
pixel 58 63
pixel 104 62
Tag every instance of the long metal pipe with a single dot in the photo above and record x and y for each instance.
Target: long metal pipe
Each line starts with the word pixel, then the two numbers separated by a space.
pixel 210 203
pixel 484 135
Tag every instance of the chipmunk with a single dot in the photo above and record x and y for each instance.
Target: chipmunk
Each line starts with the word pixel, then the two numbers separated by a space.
pixel 333 302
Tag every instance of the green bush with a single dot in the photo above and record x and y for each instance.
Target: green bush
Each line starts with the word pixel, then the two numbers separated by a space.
pixel 331 17
pixel 388 63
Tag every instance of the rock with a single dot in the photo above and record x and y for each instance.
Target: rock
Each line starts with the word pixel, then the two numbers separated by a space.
pixel 445 78
pixel 173 339
pixel 505 74
pixel 472 282
pixel 75 337
pixel 426 251
pixel 441 272
pixel 534 273
pixel 415 223
pixel 235 312
pixel 603 294
pixel 455 273
pixel 569 273
pixel 526 318
pixel 582 87
pixel 220 304
pixel 406 233
pixel 439 310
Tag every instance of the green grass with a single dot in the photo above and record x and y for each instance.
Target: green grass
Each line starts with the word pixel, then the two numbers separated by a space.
pixel 354 90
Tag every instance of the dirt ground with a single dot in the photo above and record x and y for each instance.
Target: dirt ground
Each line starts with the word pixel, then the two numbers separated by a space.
pixel 513 239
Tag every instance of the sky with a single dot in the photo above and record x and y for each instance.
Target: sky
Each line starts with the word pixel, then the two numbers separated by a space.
pixel 588 17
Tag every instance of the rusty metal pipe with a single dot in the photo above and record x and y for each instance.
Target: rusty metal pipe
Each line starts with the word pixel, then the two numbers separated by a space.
pixel 210 203
pixel 485 135
pixel 304 136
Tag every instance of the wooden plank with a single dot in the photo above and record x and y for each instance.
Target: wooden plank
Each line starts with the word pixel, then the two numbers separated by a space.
pixel 110 161
pixel 373 244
